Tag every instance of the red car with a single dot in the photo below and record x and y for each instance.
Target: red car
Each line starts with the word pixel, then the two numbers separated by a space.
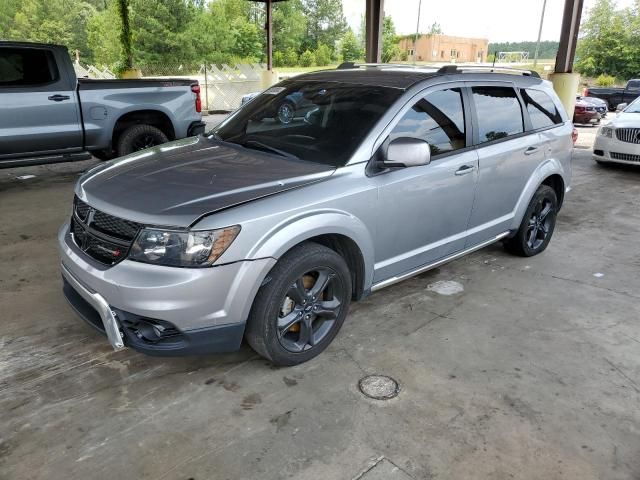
pixel 585 112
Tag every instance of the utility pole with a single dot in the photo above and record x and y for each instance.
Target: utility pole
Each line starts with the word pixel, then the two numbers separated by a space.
pixel 415 40
pixel 535 56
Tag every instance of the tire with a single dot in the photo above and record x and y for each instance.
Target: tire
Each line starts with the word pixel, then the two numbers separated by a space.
pixel 286 112
pixel 285 306
pixel 138 137
pixel 536 230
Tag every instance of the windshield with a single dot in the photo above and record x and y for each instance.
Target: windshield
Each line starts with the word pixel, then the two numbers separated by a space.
pixel 321 122
pixel 634 107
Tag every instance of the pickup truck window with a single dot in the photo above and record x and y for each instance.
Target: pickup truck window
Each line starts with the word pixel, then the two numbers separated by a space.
pixel 437 119
pixel 633 85
pixel 26 67
pixel 499 113
pixel 320 122
pixel 542 111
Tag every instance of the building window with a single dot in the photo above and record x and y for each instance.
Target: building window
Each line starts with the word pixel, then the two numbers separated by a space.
pixel 442 54
pixel 454 53
pixel 410 52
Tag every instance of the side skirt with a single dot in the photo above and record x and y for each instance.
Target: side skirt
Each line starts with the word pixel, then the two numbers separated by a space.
pixel 424 268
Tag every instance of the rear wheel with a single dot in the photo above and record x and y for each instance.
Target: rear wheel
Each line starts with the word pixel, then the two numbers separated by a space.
pixel 537 226
pixel 138 137
pixel 301 308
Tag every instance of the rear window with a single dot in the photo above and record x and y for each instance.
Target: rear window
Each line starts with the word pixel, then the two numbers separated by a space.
pixel 26 67
pixel 499 113
pixel 542 111
pixel 633 85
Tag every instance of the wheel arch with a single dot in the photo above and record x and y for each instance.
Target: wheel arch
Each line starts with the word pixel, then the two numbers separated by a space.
pixel 549 173
pixel 342 233
pixel 156 118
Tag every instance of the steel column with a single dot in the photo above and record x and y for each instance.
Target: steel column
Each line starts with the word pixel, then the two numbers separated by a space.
pixel 569 35
pixel 269 36
pixel 373 20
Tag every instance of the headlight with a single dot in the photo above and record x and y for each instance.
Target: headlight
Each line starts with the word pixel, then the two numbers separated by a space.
pixel 182 249
pixel 606 132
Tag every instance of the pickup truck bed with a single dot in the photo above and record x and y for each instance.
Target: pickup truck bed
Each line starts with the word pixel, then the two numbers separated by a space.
pixel 48 115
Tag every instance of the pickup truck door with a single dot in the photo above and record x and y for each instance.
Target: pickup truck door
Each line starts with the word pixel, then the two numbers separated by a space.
pixel 39 111
pixel 423 211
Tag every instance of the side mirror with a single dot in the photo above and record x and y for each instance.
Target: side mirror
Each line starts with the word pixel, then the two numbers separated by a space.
pixel 407 152
pixel 621 106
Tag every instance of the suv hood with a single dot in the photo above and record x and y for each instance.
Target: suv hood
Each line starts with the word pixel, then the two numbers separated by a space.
pixel 176 183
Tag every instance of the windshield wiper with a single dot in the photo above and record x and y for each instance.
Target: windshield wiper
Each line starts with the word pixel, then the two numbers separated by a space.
pixel 263 146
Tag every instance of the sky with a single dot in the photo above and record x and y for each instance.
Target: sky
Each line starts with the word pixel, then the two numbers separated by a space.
pixel 497 20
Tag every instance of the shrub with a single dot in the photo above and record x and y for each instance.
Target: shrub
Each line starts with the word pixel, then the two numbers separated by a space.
pixel 307 59
pixel 278 59
pixel 290 57
pixel 323 55
pixel 605 80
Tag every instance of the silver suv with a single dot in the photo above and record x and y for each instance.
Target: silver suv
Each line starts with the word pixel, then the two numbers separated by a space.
pixel 269 226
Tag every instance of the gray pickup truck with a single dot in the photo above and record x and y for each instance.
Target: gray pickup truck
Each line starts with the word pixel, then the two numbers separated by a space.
pixel 48 115
pixel 615 96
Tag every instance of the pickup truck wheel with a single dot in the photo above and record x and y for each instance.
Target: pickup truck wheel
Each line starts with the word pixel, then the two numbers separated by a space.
pixel 301 307
pixel 537 225
pixel 139 137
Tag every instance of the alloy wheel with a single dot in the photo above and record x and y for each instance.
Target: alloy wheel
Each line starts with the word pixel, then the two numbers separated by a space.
pixel 539 224
pixel 144 141
pixel 285 113
pixel 309 310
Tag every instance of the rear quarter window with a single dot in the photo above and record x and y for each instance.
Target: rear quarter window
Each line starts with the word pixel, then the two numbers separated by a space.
pixel 26 67
pixel 543 113
pixel 499 113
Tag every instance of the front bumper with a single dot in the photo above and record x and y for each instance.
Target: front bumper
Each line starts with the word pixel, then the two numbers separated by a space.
pixel 206 308
pixel 612 150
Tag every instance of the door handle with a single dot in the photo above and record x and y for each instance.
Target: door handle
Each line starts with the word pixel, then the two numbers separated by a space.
pixel 530 150
pixel 464 169
pixel 59 98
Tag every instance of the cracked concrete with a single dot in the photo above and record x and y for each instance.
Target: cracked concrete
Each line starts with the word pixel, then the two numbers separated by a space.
pixel 532 371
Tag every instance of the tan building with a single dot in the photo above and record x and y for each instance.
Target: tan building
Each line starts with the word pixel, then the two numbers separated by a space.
pixel 443 48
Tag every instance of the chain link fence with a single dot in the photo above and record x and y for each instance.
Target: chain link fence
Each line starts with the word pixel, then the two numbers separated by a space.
pixel 221 86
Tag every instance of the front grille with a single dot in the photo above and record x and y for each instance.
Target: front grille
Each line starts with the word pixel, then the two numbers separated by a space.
pixel 103 237
pixel 629 135
pixel 625 156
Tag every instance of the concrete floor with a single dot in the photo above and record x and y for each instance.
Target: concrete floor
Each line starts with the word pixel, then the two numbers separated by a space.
pixel 532 372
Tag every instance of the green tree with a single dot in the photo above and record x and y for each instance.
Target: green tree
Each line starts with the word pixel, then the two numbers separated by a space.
pixel 290 57
pixel 307 59
pixel 103 36
pixel 390 47
pixel 289 25
pixel 8 10
pixel 247 40
pixel 278 59
pixel 322 55
pixel 435 29
pixel 350 49
pixel 325 22
pixel 606 42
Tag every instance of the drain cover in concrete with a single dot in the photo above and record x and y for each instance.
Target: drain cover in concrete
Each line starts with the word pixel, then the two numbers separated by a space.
pixel 379 387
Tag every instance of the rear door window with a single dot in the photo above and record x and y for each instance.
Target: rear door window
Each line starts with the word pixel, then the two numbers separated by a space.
pixel 437 119
pixel 26 67
pixel 542 111
pixel 499 113
pixel 633 85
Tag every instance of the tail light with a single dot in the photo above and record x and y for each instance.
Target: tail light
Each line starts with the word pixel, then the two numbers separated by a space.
pixel 580 109
pixel 195 88
pixel 574 135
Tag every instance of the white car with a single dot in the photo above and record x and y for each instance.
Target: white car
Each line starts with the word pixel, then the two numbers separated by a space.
pixel 619 140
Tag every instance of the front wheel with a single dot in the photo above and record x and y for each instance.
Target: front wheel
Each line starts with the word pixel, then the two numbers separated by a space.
pixel 537 226
pixel 301 307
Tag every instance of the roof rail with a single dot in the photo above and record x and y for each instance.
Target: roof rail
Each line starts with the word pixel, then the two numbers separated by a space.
pixel 350 65
pixel 450 69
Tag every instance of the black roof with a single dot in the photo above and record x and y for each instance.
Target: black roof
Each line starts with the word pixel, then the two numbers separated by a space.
pixel 402 78
pixel 11 43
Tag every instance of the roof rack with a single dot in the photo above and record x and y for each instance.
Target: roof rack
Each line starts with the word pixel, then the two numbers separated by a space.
pixel 351 65
pixel 450 69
